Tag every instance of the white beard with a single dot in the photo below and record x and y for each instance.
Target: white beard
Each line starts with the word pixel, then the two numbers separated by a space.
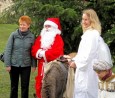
pixel 48 37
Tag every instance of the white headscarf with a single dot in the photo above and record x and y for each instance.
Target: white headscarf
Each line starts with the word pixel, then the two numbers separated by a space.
pixel 101 65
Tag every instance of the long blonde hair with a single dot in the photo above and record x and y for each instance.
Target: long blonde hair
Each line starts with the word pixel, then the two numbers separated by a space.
pixel 95 23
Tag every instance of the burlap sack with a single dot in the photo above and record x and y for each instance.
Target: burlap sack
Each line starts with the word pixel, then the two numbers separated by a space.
pixel 70 84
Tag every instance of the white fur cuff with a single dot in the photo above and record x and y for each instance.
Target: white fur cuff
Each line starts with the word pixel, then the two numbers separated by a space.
pixel 37 54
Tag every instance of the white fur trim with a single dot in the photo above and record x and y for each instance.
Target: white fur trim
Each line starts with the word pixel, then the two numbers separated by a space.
pixel 47 22
pixel 58 31
pixel 37 54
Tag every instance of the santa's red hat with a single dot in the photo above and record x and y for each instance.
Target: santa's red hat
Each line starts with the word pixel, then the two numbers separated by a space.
pixel 55 22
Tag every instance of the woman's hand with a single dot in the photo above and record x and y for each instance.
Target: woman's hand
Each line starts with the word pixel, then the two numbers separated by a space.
pixel 33 69
pixel 8 68
pixel 67 57
pixel 72 64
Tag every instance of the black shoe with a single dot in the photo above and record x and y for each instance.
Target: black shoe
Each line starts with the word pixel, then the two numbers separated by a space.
pixel 34 95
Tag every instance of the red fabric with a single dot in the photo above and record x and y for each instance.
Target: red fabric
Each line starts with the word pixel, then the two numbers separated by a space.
pixel 36 46
pixel 107 75
pixel 56 21
pixel 57 49
pixel 38 79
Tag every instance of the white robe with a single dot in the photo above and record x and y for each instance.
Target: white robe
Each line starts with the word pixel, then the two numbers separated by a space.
pixel 86 79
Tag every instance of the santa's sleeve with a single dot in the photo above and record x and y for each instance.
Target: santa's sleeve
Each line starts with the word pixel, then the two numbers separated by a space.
pixel 36 47
pixel 57 49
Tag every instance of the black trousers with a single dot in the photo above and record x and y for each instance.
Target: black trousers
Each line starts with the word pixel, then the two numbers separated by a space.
pixel 24 74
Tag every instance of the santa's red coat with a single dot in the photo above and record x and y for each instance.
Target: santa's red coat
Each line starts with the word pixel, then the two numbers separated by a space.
pixel 56 50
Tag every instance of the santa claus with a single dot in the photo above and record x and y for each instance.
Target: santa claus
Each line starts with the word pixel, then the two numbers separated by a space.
pixel 47 47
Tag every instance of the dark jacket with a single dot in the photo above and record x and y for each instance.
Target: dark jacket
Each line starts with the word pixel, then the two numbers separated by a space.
pixel 18 50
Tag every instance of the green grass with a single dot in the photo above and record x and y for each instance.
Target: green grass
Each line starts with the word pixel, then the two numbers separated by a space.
pixel 113 68
pixel 5 31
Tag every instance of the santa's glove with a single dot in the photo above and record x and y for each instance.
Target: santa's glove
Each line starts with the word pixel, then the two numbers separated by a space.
pixel 41 54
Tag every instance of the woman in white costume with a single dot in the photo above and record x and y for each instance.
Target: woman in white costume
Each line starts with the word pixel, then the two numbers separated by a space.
pixel 106 80
pixel 86 80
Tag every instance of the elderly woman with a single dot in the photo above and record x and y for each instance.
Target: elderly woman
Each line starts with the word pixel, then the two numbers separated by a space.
pixel 106 80
pixel 18 59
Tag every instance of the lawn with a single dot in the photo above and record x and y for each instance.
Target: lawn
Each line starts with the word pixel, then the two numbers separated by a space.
pixel 5 30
